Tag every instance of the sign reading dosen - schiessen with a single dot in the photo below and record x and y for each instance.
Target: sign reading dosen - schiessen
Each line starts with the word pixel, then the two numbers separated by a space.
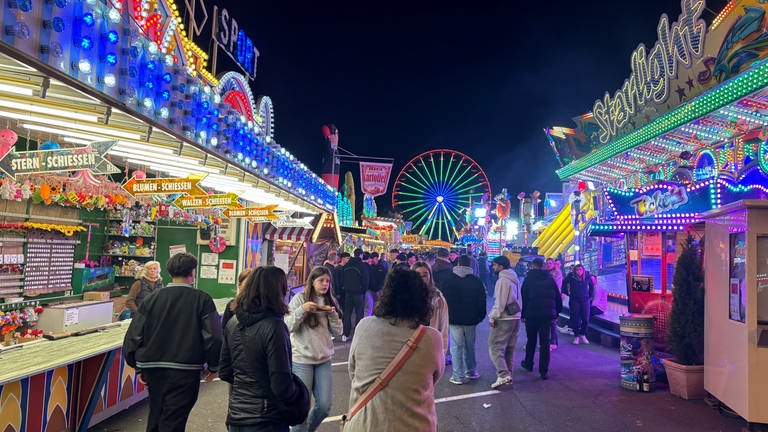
pixel 228 200
pixel 160 186
pixel 90 157
pixel 255 214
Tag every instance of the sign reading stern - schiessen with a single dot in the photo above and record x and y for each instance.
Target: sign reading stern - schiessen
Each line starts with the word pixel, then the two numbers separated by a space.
pixel 90 157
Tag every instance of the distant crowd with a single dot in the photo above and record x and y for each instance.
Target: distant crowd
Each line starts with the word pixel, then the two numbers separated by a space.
pixel 407 316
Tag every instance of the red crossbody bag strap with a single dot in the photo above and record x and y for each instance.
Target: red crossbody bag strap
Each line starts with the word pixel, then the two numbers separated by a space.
pixel 389 372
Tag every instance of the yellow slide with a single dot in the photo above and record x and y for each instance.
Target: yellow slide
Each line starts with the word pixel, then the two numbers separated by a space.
pixel 559 235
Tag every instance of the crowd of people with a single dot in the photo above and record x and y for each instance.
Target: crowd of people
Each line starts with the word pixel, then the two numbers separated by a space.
pixel 407 317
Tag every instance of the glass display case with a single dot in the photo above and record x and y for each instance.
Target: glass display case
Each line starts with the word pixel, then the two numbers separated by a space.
pixel 290 256
pixel 737 297
pixel 762 280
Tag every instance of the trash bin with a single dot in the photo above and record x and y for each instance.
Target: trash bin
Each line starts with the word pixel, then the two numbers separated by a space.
pixel 637 352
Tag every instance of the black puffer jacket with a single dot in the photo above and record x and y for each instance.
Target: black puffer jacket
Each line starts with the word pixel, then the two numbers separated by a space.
pixel 256 360
pixel 579 290
pixel 541 298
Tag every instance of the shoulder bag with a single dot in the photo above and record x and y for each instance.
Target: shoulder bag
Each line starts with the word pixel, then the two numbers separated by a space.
pixel 514 307
pixel 387 374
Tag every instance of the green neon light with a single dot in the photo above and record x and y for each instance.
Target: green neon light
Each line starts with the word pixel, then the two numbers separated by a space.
pixel 714 99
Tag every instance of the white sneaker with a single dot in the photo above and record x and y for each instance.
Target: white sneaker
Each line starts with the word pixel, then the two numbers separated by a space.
pixel 576 340
pixel 552 347
pixel 584 340
pixel 344 338
pixel 501 381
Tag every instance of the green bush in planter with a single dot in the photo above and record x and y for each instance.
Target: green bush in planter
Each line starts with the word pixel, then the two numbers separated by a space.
pixel 686 321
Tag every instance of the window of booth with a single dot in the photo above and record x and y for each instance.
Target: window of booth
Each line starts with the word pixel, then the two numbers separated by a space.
pixel 762 279
pixel 737 298
pixel 291 257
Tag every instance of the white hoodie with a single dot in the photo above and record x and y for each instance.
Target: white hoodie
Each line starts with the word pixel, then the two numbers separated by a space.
pixel 311 345
pixel 507 289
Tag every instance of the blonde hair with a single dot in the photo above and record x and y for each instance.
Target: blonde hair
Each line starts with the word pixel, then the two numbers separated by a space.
pixel 143 271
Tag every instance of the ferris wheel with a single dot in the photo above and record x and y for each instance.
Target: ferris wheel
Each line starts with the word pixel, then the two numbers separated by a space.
pixel 435 191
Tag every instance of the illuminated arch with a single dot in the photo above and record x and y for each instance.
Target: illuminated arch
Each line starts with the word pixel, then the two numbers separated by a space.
pixel 235 92
pixel 267 114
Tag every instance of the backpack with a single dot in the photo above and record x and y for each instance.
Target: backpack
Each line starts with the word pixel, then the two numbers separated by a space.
pixel 352 280
pixel 378 274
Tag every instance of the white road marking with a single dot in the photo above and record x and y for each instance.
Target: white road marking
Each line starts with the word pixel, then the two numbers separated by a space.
pixel 467 396
pixel 441 400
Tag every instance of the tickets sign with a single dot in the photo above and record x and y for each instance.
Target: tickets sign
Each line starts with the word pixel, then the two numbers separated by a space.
pixel 228 200
pixel 374 178
pixel 162 186
pixel 90 157
pixel 255 214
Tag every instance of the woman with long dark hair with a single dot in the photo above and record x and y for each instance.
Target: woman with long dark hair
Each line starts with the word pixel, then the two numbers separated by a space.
pixel 313 320
pixel 256 355
pixel 580 291
pixel 439 320
pixel 407 402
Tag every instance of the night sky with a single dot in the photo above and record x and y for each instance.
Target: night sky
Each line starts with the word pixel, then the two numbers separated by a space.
pixel 399 78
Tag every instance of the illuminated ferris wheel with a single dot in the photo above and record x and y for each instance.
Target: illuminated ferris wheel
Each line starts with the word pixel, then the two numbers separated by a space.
pixel 435 191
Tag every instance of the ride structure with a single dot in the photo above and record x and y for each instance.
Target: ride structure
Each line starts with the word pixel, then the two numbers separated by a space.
pixel 435 190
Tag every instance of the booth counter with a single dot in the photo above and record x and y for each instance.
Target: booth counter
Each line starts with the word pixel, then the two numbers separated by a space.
pixel 69 384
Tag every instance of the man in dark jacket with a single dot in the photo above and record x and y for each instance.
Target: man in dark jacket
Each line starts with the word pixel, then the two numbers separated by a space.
pixel 176 333
pixel 442 268
pixel 465 295
pixel 378 274
pixel 541 304
pixel 355 280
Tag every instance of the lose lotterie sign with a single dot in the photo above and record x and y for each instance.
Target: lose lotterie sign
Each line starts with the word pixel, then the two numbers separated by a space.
pixel 90 157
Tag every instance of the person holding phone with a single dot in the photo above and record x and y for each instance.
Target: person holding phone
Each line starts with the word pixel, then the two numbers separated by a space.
pixel 313 320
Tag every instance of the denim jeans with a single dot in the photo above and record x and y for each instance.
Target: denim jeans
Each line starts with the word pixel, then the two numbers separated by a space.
pixel 462 351
pixel 579 317
pixel 319 381
pixel 268 427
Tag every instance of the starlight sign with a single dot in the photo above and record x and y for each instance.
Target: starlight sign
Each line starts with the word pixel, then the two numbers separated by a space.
pixel 653 70
pixel 90 157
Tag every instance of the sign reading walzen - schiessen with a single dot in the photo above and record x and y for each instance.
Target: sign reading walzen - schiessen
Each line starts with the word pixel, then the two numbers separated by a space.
pixel 90 157
pixel 653 70
pixel 228 200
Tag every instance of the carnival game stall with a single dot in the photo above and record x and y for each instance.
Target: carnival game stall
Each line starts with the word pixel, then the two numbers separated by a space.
pixel 684 136
pixel 120 146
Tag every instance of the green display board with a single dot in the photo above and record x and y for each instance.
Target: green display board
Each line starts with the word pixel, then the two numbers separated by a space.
pixel 170 235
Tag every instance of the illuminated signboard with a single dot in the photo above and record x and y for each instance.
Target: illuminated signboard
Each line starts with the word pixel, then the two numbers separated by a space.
pixel 234 41
pixel 653 70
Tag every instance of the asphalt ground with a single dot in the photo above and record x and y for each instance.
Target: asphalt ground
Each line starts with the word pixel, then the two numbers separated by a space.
pixel 582 394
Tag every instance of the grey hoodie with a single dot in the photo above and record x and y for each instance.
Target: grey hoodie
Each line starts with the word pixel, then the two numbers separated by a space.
pixel 463 271
pixel 507 289
pixel 311 345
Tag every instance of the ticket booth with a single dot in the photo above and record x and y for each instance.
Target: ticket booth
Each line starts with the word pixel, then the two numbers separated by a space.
pixel 736 307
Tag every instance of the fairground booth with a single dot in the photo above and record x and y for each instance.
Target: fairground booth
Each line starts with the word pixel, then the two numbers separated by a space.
pixel 683 138
pixel 120 145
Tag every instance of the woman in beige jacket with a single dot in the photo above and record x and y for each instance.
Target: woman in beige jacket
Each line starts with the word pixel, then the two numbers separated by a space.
pixel 407 403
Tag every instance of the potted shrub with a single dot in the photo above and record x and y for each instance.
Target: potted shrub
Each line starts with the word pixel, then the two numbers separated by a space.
pixel 685 372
